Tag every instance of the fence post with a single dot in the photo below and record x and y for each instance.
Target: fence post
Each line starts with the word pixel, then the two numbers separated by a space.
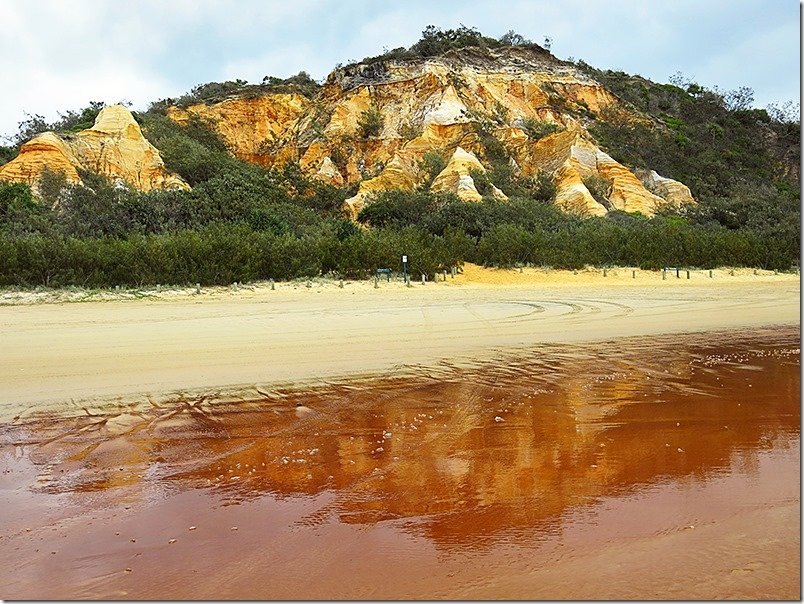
pixel 710 273
pixel 273 287
pixel 688 274
pixel 664 274
pixel 604 272
pixel 633 274
pixel 341 284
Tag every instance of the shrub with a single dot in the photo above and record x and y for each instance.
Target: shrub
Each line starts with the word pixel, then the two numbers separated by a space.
pixel 370 123
pixel 599 187
pixel 536 129
pixel 431 164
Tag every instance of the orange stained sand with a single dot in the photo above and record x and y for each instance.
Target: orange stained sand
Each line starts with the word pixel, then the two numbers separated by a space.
pixel 663 467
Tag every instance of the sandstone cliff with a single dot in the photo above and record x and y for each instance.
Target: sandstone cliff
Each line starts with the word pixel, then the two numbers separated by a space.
pixel 454 105
pixel 476 109
pixel 114 147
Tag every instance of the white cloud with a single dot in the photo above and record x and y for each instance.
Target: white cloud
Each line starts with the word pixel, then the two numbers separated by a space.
pixel 60 54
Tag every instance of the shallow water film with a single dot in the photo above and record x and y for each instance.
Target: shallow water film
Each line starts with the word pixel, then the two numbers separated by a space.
pixel 636 468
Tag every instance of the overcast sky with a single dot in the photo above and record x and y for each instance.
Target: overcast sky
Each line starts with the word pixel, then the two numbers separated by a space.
pixel 61 54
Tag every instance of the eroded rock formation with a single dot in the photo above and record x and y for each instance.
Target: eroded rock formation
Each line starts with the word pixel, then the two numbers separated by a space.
pixel 472 108
pixel 454 105
pixel 114 147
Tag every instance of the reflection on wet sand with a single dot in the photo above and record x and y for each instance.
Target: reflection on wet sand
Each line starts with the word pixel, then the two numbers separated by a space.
pixel 466 458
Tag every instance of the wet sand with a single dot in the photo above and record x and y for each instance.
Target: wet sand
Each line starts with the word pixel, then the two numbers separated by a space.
pixel 641 467
pixel 65 357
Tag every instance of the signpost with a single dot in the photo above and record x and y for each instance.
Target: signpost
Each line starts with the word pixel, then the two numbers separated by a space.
pixel 404 267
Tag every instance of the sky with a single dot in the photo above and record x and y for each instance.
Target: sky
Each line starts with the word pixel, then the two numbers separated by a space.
pixel 62 54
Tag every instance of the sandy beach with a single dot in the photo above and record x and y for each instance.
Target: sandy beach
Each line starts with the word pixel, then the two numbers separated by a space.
pixel 67 350
pixel 496 435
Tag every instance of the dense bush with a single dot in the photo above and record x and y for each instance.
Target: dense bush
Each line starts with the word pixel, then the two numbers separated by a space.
pixel 709 139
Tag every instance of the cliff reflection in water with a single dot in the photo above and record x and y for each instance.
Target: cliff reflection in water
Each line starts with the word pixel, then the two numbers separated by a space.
pixel 466 454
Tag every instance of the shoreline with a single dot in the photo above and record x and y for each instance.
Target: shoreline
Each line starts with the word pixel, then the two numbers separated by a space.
pixel 62 357
pixel 469 275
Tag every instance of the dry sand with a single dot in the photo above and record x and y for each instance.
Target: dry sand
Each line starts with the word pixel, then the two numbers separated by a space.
pixel 62 356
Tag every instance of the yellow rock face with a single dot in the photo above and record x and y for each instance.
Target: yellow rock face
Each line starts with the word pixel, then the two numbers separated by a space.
pixel 627 193
pixel 397 175
pixel 114 147
pixel 673 192
pixel 328 172
pixel 456 177
pixel 44 151
pixel 570 157
pixel 434 105
pixel 255 130
pixel 573 196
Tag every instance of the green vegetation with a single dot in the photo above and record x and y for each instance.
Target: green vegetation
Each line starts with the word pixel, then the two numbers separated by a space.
pixel 70 122
pixel 370 122
pixel 241 222
pixel 432 164
pixel 536 129
pixel 708 139
pixel 215 92
pixel 435 42
pixel 600 188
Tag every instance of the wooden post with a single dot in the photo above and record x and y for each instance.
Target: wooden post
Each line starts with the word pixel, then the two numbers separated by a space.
pixel 710 273
pixel 340 284
pixel 678 273
pixel 664 274
pixel 688 274
pixel 633 274
pixel 273 287
pixel 376 282
pixel 454 272
pixel 604 272
pixel 198 288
